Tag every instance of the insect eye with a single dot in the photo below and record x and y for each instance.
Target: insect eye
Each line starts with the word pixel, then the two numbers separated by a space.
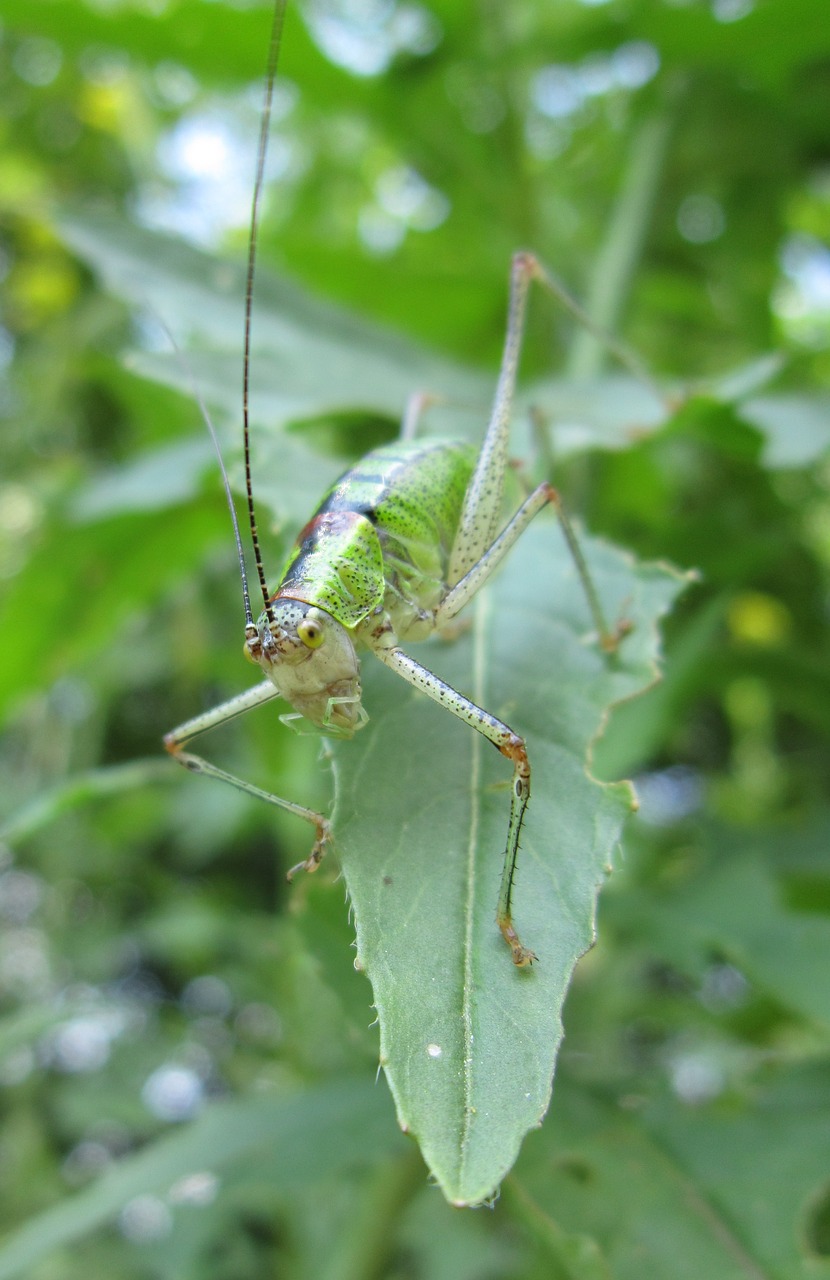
pixel 246 652
pixel 311 634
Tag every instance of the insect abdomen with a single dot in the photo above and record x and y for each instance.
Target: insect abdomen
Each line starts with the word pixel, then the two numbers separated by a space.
pixel 409 496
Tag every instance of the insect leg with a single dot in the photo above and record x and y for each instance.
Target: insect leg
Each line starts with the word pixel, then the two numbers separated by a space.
pixel 416 406
pixel 510 745
pixel 456 598
pixel 482 501
pixel 477 550
pixel 177 739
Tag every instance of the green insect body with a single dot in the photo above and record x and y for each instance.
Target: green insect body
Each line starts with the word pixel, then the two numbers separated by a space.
pixel 395 550
pixel 368 570
pixel 383 535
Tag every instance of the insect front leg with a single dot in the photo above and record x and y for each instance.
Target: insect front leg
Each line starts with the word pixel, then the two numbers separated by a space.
pixel 178 738
pixel 510 745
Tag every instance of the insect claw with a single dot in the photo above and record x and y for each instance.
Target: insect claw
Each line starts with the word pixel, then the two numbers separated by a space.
pixel 523 957
pixel 317 854
pixel 310 864
pixel 610 641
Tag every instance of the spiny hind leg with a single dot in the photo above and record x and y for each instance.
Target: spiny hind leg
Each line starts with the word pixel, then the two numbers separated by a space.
pixel 477 549
pixel 511 746
pixel 545 495
pixel 481 509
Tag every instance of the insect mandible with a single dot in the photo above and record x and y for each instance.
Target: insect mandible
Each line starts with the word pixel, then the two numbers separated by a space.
pixel 394 551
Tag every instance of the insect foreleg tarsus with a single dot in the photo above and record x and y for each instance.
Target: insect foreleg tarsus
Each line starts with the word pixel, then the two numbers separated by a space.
pixel 176 740
pixel 510 745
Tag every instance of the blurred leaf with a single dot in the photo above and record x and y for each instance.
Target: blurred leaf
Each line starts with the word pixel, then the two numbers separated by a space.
pixel 733 903
pixel 111 553
pixel 797 428
pixel 334 1127
pixel 78 791
pixel 609 412
pixel 678 1192
pixel 311 360
pixel 27 1026
pixel 159 478
pixel 311 356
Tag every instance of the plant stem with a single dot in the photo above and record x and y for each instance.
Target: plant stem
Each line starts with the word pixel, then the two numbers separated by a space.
pixel 363 1251
pixel 617 258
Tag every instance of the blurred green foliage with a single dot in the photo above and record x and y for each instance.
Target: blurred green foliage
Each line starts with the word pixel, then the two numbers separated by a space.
pixel 670 162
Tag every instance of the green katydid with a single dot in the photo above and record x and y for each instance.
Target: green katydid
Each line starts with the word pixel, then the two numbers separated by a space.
pixel 395 550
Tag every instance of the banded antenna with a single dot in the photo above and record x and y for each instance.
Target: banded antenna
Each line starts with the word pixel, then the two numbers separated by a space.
pixel 262 150
pixel 196 392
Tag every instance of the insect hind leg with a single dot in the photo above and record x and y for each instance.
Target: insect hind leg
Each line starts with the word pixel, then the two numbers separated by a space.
pixel 477 548
pixel 545 495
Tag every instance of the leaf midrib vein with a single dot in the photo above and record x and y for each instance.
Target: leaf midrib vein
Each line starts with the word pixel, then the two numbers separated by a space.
pixel 479 674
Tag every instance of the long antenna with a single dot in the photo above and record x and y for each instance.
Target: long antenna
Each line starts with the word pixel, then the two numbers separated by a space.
pixel 273 58
pixel 208 421
pixel 250 626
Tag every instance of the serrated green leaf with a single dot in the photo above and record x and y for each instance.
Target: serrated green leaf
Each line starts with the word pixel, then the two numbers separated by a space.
pixel 468 1042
